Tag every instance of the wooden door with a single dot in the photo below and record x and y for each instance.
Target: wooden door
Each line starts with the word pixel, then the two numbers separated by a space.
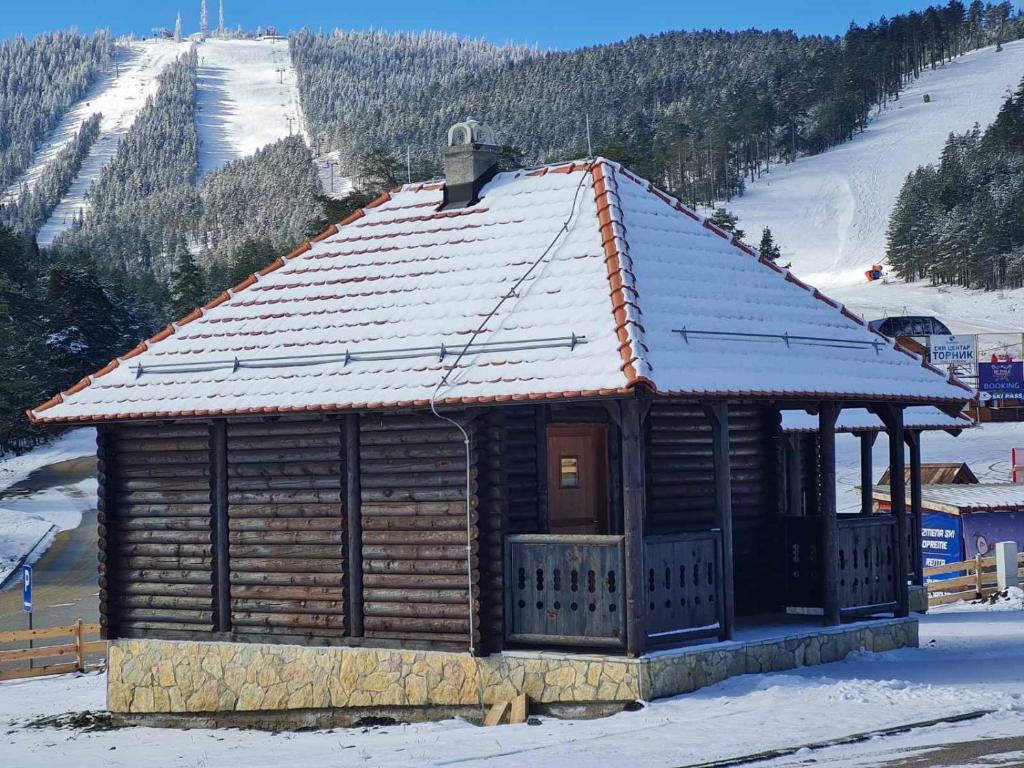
pixel 577 478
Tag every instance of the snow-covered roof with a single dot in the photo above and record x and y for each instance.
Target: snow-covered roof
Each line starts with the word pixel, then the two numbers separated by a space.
pixel 862 420
pixel 979 497
pixel 634 288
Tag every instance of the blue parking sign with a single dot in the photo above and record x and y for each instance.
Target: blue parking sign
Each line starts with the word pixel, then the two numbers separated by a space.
pixel 26 588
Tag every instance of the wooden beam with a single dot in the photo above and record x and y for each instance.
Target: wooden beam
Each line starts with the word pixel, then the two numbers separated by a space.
pixel 794 476
pixel 634 513
pixel 867 481
pixel 913 439
pixel 892 417
pixel 219 514
pixel 353 526
pixel 827 414
pixel 540 417
pixel 718 414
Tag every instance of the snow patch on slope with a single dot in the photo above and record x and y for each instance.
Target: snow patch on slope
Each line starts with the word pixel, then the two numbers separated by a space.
pixel 829 212
pixel 246 97
pixel 119 99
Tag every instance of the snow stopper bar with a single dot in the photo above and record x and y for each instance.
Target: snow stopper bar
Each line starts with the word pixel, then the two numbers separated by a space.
pixel 814 341
pixel 349 356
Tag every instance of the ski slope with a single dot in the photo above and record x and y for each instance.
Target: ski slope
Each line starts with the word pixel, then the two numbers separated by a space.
pixel 829 212
pixel 247 97
pixel 118 98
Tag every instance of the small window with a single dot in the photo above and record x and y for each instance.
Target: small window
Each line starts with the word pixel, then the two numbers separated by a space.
pixel 569 472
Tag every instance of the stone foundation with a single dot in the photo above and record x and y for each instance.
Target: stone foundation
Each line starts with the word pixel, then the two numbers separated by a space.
pixel 163 676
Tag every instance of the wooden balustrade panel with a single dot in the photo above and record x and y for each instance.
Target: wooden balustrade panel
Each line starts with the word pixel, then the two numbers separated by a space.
pixel 155 530
pixel 867 562
pixel 565 590
pixel 683 584
pixel 286 494
pixel 416 578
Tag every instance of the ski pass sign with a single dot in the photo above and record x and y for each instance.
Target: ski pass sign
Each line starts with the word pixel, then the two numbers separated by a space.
pixel 952 350
pixel 26 588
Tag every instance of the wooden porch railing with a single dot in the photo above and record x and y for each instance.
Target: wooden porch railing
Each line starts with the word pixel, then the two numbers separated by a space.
pixel 684 587
pixel 565 590
pixel 867 571
pixel 72 643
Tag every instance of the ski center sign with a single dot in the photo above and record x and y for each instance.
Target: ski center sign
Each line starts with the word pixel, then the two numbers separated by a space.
pixel 952 350
pixel 1002 381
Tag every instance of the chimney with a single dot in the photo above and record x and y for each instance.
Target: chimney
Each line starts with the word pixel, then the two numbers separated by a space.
pixel 470 161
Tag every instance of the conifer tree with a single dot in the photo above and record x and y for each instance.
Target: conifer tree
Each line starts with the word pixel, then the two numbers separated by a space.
pixel 187 290
pixel 769 248
pixel 723 219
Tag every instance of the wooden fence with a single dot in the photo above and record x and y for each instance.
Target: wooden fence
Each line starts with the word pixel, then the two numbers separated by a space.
pixel 971 580
pixel 69 642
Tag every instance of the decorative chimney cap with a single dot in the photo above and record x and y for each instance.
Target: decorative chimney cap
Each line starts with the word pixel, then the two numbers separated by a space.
pixel 469 131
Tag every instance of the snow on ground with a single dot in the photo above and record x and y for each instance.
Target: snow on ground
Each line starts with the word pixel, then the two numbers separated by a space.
pixel 29 520
pixel 247 97
pixel 969 660
pixel 986 448
pixel 332 182
pixel 119 99
pixel 829 212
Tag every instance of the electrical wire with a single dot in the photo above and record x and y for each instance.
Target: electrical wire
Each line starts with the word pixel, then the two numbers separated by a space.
pixel 512 292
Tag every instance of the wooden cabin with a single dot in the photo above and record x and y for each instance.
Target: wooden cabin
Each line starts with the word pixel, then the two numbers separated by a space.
pixel 526 409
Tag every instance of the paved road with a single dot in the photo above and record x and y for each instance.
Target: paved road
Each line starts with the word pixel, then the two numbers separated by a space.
pixel 66 575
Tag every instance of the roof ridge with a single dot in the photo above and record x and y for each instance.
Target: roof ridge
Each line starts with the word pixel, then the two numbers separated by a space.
pixel 170 329
pixel 624 295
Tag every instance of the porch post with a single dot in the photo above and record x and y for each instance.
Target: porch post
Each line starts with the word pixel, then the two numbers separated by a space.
pixel 794 476
pixel 718 414
pixel 354 527
pixel 893 418
pixel 827 414
pixel 634 513
pixel 867 475
pixel 913 438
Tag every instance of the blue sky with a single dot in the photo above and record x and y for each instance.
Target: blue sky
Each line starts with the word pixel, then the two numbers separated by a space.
pixel 549 23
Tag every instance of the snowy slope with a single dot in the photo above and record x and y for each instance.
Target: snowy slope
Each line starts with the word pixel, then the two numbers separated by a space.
pixel 244 100
pixel 829 212
pixel 119 99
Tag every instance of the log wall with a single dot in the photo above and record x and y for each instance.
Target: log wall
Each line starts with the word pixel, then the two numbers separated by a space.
pixel 415 579
pixel 286 494
pixel 155 530
pixel 681 489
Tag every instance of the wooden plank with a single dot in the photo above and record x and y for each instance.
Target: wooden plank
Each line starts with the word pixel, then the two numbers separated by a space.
pixel 41 652
pixel 913 440
pixel 52 669
pixel 892 417
pixel 867 475
pixel 827 414
pixel 497 713
pixel 24 635
pixel 520 709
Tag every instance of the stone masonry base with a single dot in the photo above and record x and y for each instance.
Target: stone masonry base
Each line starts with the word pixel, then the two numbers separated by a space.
pixel 164 677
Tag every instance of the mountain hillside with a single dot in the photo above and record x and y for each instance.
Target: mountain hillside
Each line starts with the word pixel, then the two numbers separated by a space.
pixel 829 212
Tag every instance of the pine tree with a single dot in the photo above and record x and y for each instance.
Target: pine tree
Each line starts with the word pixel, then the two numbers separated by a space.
pixel 722 219
pixel 769 248
pixel 187 291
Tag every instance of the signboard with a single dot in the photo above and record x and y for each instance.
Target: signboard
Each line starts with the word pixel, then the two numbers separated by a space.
pixel 26 588
pixel 952 350
pixel 941 542
pixel 982 530
pixel 1001 381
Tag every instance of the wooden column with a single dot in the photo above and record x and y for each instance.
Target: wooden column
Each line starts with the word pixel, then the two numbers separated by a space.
pixel 634 514
pixel 718 414
pixel 913 438
pixel 106 515
pixel 353 527
pixel 827 414
pixel 867 475
pixel 219 514
pixel 892 415
pixel 794 476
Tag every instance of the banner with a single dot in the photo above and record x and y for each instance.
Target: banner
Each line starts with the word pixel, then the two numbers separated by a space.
pixel 941 541
pixel 1001 381
pixel 952 350
pixel 982 530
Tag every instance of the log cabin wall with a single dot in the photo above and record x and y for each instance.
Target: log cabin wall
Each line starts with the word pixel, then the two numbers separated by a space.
pixel 286 512
pixel 681 492
pixel 156 531
pixel 415 581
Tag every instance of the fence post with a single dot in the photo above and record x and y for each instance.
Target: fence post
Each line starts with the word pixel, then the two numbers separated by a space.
pixel 79 646
pixel 977 574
